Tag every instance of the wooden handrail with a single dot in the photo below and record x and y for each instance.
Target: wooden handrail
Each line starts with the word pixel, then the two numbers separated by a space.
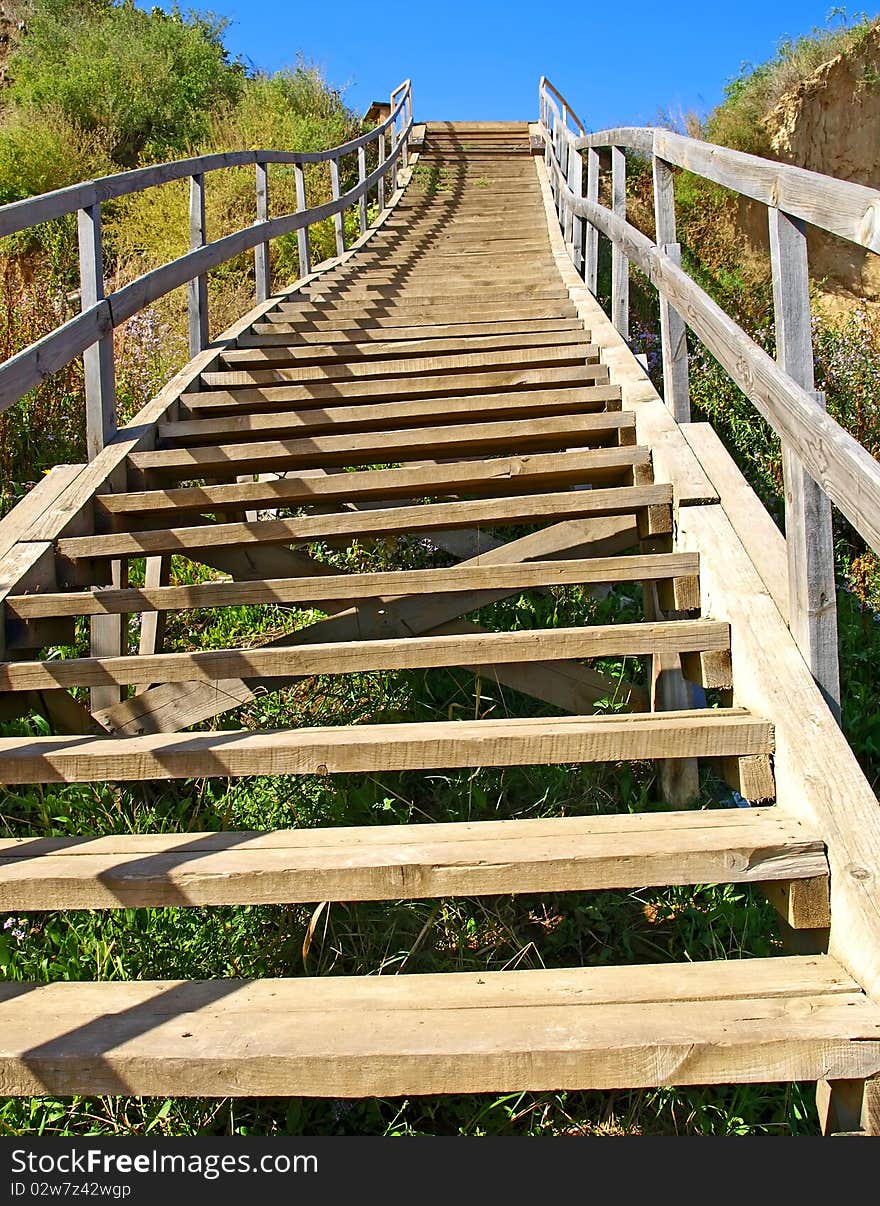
pixel 90 333
pixel 545 84
pixel 32 211
pixel 850 211
pixel 822 462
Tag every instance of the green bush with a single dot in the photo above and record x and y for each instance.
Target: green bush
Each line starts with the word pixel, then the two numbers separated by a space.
pixel 144 83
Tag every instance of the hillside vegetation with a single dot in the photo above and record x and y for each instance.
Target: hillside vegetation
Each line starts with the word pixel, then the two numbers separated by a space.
pixel 95 86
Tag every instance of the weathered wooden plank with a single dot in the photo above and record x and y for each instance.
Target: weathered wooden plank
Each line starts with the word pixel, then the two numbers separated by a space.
pixel 552 644
pixel 312 591
pixel 364 448
pixel 240 398
pixel 384 521
pixel 748 516
pixel 391 1036
pixel 325 419
pixel 368 748
pixel 292 354
pixel 379 862
pixel 501 475
pixel 809 539
pixel 451 362
pixel 268 333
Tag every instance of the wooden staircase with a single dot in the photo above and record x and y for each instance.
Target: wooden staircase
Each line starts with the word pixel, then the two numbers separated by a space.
pixel 457 347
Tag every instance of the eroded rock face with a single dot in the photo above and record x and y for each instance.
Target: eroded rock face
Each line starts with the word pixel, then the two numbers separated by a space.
pixel 831 123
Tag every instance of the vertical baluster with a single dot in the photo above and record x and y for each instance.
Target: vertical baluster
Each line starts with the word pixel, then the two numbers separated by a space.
pixel 592 252
pixel 197 289
pixel 380 191
pixel 100 380
pixel 338 219
pixel 619 262
pixel 302 235
pixel 576 184
pixel 362 200
pixel 809 539
pixel 406 114
pixel 394 137
pixel 673 337
pixel 106 632
pixel 261 251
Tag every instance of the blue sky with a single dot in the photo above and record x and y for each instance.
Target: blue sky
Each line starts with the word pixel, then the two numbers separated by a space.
pixel 617 63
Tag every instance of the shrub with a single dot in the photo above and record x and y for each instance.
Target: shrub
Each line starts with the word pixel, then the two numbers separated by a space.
pixel 144 83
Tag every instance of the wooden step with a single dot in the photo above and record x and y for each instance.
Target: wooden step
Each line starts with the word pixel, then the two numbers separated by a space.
pixel 288 353
pixel 447 293
pixel 391 415
pixel 394 520
pixel 369 748
pixel 746 1020
pixel 479 478
pixel 439 363
pixel 365 448
pixel 314 591
pixel 255 397
pixel 265 334
pixel 394 862
pixel 402 313
pixel 355 657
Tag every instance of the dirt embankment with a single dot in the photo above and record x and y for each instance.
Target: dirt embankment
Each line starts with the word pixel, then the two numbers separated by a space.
pixel 830 123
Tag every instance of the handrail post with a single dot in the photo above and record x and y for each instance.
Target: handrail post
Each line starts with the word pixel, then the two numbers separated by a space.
pixel 619 262
pixel 673 335
pixel 576 184
pixel 591 262
pixel 405 117
pixel 197 289
pixel 362 175
pixel 380 189
pixel 809 539
pixel 338 219
pixel 302 235
pixel 394 140
pixel 100 377
pixel 261 251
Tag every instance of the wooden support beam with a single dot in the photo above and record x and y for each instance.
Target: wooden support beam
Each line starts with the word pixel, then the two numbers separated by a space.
pixel 362 200
pixel 302 235
pixel 197 289
pixel 100 381
pixel 673 334
pixel 849 1107
pixel 619 262
pixel 802 904
pixel 809 537
pixel 262 275
pixel 338 218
